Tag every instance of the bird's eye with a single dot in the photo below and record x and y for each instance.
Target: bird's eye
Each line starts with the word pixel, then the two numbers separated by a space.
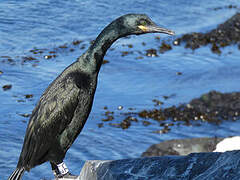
pixel 142 22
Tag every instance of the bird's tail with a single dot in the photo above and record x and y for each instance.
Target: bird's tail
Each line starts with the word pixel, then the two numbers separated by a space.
pixel 17 174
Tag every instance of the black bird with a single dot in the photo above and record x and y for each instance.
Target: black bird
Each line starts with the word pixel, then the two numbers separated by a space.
pixel 63 109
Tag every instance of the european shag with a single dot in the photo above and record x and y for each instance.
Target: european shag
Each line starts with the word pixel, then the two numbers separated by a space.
pixel 63 109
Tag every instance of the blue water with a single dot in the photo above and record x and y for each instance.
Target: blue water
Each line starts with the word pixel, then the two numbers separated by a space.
pixel 124 81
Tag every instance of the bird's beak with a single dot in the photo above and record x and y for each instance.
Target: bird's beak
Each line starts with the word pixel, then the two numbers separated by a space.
pixel 155 29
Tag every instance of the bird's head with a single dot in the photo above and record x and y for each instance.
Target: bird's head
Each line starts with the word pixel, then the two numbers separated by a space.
pixel 141 24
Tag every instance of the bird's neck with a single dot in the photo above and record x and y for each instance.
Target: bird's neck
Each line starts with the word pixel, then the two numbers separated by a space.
pixel 94 55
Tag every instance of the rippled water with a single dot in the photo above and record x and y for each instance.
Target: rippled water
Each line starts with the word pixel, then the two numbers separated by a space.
pixel 124 81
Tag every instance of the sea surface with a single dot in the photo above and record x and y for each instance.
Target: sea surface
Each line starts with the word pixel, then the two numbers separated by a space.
pixel 126 81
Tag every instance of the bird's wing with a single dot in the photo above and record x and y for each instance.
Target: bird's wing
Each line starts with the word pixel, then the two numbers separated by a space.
pixel 50 117
pixel 56 107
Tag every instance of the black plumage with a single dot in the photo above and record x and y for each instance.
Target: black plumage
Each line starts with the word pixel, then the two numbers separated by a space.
pixel 64 107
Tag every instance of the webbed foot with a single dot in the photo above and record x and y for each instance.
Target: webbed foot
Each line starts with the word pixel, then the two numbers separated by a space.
pixel 67 176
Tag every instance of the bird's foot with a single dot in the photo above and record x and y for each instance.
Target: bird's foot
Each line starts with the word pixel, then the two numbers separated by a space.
pixel 65 176
pixel 61 172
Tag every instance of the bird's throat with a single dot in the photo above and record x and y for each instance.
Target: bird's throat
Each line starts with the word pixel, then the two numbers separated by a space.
pixel 98 49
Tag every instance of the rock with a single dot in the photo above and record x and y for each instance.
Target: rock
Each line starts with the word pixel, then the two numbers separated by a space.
pixel 197 166
pixel 182 146
pixel 228 144
pixel 193 145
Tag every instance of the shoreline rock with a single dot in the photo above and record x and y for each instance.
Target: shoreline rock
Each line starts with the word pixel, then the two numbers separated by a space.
pixel 197 166
pixel 193 145
pixel 182 146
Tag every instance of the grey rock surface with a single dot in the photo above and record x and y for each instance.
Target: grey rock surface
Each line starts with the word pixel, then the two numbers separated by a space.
pixel 196 166
pixel 183 146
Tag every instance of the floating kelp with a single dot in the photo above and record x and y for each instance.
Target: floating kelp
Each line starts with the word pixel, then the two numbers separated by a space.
pixel 224 35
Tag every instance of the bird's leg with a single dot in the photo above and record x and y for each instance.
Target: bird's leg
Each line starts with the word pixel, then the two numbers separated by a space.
pixel 54 169
pixel 62 168
pixel 61 171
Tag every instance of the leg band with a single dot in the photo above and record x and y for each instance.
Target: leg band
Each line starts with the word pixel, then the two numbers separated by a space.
pixel 62 168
